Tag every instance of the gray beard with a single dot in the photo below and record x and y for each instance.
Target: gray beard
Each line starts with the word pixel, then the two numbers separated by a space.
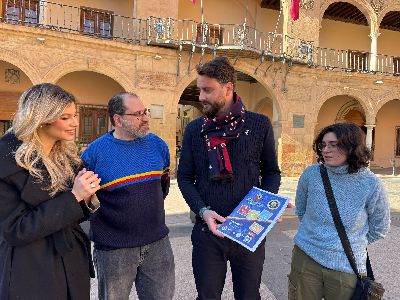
pixel 136 133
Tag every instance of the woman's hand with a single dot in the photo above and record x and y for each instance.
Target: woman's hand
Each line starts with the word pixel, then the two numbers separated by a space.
pixel 85 185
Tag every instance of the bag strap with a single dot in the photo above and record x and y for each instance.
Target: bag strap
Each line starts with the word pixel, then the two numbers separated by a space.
pixel 338 221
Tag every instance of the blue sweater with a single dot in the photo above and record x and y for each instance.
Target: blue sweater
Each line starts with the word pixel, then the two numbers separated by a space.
pixel 134 183
pixel 363 208
pixel 253 161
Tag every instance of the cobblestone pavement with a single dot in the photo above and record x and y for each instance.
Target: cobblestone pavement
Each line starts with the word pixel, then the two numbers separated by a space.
pixel 278 250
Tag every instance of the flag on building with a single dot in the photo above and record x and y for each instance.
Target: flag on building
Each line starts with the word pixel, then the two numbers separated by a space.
pixel 193 1
pixel 294 9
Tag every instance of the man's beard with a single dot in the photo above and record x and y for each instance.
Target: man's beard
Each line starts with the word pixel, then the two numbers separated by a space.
pixel 212 109
pixel 136 132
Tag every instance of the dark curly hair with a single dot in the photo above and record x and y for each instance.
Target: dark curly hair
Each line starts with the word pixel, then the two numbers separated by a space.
pixel 351 139
pixel 220 69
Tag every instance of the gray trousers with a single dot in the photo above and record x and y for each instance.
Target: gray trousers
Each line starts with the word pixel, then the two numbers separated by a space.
pixel 151 267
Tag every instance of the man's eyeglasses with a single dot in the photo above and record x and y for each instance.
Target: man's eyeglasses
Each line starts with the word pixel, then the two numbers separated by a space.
pixel 139 114
pixel 330 146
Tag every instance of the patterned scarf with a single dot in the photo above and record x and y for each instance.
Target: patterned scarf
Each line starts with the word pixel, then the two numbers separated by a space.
pixel 217 133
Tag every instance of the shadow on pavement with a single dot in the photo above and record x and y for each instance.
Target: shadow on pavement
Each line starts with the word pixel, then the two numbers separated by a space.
pixel 395 218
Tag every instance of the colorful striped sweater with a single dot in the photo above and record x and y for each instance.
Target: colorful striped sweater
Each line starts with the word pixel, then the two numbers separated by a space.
pixel 134 183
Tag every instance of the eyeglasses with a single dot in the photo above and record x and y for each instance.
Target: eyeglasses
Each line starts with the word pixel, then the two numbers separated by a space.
pixel 330 146
pixel 139 114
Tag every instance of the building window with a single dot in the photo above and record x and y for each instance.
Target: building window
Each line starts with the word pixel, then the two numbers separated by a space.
pixel 4 126
pixel 397 141
pixel 93 122
pixel 98 22
pixel 21 11
pixel 357 60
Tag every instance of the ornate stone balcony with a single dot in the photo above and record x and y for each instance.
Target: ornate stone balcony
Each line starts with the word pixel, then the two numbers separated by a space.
pixel 233 40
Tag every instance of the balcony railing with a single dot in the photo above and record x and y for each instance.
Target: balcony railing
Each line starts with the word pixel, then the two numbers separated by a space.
pixel 227 39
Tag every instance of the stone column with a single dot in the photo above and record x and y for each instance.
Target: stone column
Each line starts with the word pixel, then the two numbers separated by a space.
pixel 374 50
pixel 368 139
pixel 277 129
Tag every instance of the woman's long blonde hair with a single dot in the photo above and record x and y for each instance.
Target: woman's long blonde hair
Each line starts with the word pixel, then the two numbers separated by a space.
pixel 40 105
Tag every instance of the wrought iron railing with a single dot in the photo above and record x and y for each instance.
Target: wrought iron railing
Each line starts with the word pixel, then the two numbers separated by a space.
pixel 237 38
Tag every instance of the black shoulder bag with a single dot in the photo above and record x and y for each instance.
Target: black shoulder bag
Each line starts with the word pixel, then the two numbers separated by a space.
pixel 367 288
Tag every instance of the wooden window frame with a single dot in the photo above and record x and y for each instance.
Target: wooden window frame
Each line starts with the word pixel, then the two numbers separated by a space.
pixel 98 15
pixel 23 6
pixel 357 59
pixel 93 112
pixel 5 125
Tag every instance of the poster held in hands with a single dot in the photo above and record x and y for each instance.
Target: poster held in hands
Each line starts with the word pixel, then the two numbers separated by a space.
pixel 253 218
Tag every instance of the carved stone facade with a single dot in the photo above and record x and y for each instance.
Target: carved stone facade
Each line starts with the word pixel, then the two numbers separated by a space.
pixel 297 92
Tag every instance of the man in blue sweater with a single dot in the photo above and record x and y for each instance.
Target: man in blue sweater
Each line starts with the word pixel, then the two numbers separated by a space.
pixel 129 232
pixel 224 154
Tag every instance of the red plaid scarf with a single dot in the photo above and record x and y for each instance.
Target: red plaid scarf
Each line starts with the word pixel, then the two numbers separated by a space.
pixel 217 133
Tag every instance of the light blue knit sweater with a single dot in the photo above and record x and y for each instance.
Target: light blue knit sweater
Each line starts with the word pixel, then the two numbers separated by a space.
pixel 363 207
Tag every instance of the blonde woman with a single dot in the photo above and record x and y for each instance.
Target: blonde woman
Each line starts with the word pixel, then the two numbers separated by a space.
pixel 44 254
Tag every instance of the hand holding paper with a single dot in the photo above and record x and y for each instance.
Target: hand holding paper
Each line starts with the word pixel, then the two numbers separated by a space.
pixel 253 218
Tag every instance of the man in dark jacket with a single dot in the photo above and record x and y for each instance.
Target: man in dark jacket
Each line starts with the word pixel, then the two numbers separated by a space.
pixel 224 154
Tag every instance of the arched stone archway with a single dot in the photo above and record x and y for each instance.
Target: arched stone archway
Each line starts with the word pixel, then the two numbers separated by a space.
pixel 93 65
pixel 394 94
pixel 351 111
pixel 20 61
pixel 388 8
pixel 13 83
pixel 340 108
pixel 327 93
pixel 92 91
pixel 387 134
pixel 363 6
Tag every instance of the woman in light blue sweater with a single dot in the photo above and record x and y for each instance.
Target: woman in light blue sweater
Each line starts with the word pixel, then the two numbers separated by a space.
pixel 320 268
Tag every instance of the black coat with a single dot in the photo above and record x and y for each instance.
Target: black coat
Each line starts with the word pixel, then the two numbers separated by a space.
pixel 44 254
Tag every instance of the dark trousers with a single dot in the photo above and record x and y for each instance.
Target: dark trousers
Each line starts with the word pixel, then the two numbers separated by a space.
pixel 209 259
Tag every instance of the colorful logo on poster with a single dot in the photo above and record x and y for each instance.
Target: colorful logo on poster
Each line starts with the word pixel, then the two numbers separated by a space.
pixel 256 228
pixel 253 214
pixel 265 215
pixel 257 197
pixel 273 204
pixel 244 210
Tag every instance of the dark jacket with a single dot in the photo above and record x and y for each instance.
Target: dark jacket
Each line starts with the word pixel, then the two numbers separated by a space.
pixel 44 254
pixel 253 161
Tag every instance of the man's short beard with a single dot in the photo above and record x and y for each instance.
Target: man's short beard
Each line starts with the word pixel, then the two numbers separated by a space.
pixel 136 133
pixel 215 108
pixel 139 133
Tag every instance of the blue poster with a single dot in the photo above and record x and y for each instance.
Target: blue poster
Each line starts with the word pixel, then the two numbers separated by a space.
pixel 253 218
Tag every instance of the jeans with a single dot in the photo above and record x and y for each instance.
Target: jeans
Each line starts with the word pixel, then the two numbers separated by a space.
pixel 151 267
pixel 308 280
pixel 209 260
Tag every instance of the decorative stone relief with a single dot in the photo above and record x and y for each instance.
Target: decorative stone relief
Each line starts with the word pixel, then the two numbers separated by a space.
pixel 91 62
pixel 12 76
pixel 307 4
pixel 377 5
pixel 156 80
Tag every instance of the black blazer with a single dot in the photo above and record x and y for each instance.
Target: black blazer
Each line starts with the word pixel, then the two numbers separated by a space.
pixel 44 254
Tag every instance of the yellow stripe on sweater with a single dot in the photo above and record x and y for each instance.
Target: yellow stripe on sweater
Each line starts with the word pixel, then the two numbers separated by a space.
pixel 131 177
